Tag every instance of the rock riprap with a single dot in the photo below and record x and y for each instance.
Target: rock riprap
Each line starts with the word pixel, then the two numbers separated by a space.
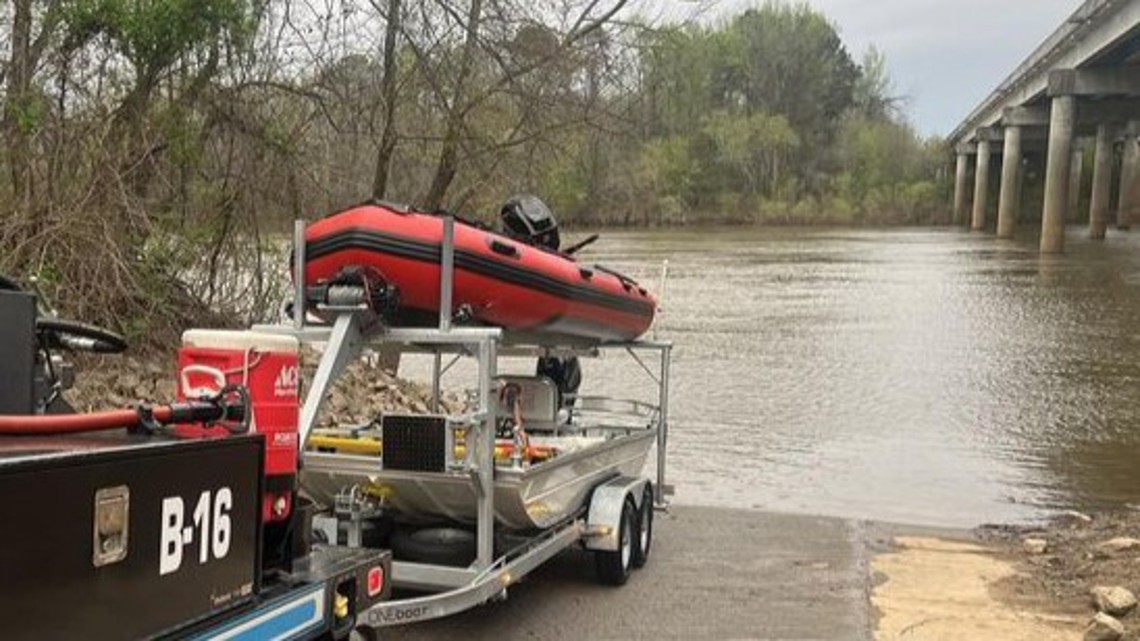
pixel 1113 600
pixel 1104 628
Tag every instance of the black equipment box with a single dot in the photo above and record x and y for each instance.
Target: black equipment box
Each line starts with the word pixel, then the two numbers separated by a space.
pixel 123 537
pixel 18 347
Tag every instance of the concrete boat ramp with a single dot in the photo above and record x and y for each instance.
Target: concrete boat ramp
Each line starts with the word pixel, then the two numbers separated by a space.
pixel 735 574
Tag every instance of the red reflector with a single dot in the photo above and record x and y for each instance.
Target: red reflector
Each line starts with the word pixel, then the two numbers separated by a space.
pixel 375 581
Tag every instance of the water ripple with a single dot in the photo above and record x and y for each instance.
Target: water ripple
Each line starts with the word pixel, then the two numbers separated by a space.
pixel 924 376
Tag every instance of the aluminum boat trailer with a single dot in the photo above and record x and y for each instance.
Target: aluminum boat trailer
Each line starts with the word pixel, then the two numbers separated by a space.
pixel 610 514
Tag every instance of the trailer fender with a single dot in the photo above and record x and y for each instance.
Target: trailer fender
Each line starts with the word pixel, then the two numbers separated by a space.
pixel 604 516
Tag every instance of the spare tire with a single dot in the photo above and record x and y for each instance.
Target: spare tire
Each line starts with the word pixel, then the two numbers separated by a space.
pixel 437 545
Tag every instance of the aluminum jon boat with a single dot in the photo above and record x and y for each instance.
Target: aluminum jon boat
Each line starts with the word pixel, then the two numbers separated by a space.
pixel 598 440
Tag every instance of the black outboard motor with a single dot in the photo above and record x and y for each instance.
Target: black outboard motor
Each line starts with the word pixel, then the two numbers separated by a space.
pixel 565 373
pixel 528 219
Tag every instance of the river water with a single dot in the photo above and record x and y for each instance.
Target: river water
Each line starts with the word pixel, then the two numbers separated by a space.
pixel 919 376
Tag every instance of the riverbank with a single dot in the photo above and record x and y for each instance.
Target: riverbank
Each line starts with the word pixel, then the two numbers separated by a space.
pixel 810 212
pixel 1064 564
pixel 1072 577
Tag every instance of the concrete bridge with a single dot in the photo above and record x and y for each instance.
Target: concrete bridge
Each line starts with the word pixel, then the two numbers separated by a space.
pixel 1080 86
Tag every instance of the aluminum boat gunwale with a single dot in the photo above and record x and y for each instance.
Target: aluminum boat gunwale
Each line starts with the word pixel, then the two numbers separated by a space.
pixel 525 501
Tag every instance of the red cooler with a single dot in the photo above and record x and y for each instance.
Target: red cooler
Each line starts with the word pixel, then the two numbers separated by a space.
pixel 268 366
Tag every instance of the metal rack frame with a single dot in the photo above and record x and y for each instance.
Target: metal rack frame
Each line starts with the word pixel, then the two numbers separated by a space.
pixel 354 328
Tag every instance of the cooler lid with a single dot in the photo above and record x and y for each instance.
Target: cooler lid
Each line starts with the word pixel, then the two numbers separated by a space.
pixel 243 340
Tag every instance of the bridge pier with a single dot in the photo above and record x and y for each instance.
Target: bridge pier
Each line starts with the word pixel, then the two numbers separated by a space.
pixel 981 186
pixel 1102 184
pixel 1076 174
pixel 961 177
pixel 1010 197
pixel 1129 201
pixel 1057 177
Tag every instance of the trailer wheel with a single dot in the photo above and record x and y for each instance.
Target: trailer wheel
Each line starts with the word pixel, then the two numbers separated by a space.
pixel 439 545
pixel 644 529
pixel 613 567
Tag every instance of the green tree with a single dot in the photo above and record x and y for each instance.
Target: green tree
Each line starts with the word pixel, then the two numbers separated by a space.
pixel 155 35
pixel 779 60
pixel 755 148
pixel 874 95
pixel 790 61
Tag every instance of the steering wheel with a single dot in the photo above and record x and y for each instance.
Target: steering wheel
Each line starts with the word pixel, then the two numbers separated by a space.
pixel 78 336
pixel 68 334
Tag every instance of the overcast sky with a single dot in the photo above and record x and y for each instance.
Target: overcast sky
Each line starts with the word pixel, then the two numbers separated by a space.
pixel 944 55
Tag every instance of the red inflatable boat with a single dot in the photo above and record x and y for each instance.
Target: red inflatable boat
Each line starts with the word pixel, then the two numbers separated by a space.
pixel 499 280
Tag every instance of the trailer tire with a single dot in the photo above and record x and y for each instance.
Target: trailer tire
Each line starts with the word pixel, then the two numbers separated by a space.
pixel 644 539
pixel 437 545
pixel 614 567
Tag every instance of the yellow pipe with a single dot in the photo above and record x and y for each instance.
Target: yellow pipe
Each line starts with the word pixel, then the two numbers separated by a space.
pixel 373 447
pixel 368 446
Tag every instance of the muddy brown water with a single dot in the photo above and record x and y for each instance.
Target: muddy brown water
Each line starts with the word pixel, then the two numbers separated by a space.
pixel 919 376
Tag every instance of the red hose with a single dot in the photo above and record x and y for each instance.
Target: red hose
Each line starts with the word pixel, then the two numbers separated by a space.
pixel 71 423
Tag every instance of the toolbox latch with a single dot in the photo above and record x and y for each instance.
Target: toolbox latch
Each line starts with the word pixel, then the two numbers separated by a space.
pixel 112 525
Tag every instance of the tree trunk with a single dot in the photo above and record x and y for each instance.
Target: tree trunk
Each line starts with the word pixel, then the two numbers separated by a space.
pixel 449 156
pixel 388 89
pixel 16 110
pixel 136 155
